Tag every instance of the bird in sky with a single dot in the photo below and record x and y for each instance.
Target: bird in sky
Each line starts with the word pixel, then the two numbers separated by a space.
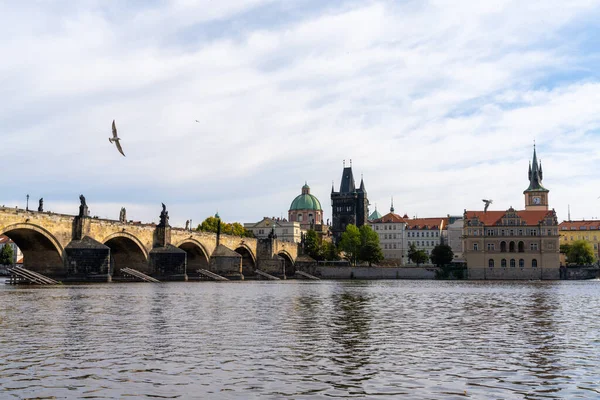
pixel 197 121
pixel 116 139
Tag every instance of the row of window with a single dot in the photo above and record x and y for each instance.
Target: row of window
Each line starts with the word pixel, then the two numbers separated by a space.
pixel 511 248
pixel 385 227
pixel 423 234
pixel 579 237
pixel 423 243
pixel 386 236
pixel 512 263
pixel 512 232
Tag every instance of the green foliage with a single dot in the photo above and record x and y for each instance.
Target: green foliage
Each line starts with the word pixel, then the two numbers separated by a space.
pixel 370 250
pixel 580 252
pixel 6 255
pixel 330 252
pixel 350 243
pixel 313 245
pixel 441 255
pixel 211 224
pixel 564 248
pixel 417 256
pixel 451 272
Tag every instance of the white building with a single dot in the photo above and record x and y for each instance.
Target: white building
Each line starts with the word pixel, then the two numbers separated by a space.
pixel 392 239
pixel 17 254
pixel 426 233
pixel 285 230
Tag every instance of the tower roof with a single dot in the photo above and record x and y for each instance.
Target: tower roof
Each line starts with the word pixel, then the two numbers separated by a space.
pixel 535 175
pixel 347 184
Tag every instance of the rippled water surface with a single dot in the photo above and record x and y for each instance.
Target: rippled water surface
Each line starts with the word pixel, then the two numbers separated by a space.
pixel 300 340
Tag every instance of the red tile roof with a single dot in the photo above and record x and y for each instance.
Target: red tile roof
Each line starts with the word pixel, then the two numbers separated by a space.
pixel 428 223
pixel 389 218
pixel 4 239
pixel 580 225
pixel 494 217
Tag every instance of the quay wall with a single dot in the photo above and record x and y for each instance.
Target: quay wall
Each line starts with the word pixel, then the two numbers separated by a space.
pixel 326 272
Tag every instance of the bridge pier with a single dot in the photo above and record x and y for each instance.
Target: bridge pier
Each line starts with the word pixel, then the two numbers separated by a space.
pixel 87 260
pixel 168 263
pixel 227 263
pixel 268 261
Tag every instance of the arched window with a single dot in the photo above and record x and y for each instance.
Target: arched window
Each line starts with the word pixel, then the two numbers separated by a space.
pixel 511 247
pixel 521 263
pixel 512 263
pixel 491 263
pixel 503 247
pixel 534 263
pixel 503 263
pixel 521 247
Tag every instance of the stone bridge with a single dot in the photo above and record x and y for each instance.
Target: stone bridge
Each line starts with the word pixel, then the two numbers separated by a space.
pixel 81 248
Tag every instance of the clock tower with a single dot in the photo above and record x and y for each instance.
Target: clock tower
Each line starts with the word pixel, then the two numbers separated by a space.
pixel 536 196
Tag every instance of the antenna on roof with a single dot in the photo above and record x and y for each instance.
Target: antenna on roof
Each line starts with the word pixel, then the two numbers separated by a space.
pixel 569 214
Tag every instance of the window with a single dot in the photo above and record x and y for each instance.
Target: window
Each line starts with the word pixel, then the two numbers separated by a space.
pixel 376 227
pixel 503 246
pixel 503 263
pixel 521 263
pixel 521 247
pixel 394 245
pixel 512 232
pixel 299 217
pixel 491 263
pixel 534 246
pixel 534 263
pixel 512 263
pixel 490 246
pixel 511 247
pixel 475 247
pixel 520 232
pixel 490 232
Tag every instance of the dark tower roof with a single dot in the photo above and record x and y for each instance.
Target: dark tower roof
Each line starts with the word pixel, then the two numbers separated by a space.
pixel 535 175
pixel 347 185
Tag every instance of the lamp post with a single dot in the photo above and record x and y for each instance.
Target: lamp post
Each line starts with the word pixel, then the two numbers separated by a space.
pixel 27 205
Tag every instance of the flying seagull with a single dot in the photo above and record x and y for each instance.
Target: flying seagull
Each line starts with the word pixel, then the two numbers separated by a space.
pixel 487 204
pixel 197 121
pixel 116 139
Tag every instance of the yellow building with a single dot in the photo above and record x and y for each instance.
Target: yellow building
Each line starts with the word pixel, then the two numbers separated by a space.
pixel 589 231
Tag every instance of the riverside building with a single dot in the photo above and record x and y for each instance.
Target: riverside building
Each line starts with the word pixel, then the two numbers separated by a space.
pixel 514 244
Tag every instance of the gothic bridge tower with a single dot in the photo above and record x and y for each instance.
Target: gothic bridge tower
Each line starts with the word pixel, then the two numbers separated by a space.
pixel 350 205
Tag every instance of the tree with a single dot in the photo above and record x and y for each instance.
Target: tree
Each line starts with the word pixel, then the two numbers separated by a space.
pixel 330 252
pixel 417 256
pixel 370 250
pixel 350 243
pixel 6 255
pixel 211 224
pixel 564 248
pixel 441 255
pixel 580 252
pixel 312 245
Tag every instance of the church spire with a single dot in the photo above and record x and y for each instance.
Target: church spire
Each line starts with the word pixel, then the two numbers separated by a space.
pixel 392 206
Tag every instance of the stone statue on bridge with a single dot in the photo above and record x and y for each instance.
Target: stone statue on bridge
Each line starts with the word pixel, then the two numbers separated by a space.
pixel 123 215
pixel 187 225
pixel 164 216
pixel 83 208
pixel 41 205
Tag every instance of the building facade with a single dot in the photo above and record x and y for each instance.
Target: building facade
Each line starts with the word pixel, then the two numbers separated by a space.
pixel 391 229
pixel 306 209
pixel 349 205
pixel 514 244
pixel 454 238
pixel 284 230
pixel 426 233
pixel 588 231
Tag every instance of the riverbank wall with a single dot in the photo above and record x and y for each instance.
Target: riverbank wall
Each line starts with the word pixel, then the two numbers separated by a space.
pixel 327 272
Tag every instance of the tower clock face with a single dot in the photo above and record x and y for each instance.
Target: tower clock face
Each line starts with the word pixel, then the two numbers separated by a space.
pixel 537 200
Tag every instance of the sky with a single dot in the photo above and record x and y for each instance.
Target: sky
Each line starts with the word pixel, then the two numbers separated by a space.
pixel 437 103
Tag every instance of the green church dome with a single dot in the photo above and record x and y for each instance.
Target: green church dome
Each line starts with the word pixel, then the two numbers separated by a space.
pixel 306 201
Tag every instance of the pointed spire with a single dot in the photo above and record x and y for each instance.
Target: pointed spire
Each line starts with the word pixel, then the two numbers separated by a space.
pixel 332 190
pixel 362 184
pixel 392 206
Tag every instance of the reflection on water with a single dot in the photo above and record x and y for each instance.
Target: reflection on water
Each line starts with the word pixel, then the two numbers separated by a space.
pixel 385 339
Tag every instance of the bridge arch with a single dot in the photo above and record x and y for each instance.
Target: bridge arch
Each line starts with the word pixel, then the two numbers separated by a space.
pixel 42 252
pixel 248 259
pixel 198 257
pixel 126 250
pixel 288 260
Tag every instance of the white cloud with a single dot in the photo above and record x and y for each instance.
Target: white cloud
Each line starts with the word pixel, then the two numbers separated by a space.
pixel 437 103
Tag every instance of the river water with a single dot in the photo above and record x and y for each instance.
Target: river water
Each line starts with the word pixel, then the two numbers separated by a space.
pixel 302 340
